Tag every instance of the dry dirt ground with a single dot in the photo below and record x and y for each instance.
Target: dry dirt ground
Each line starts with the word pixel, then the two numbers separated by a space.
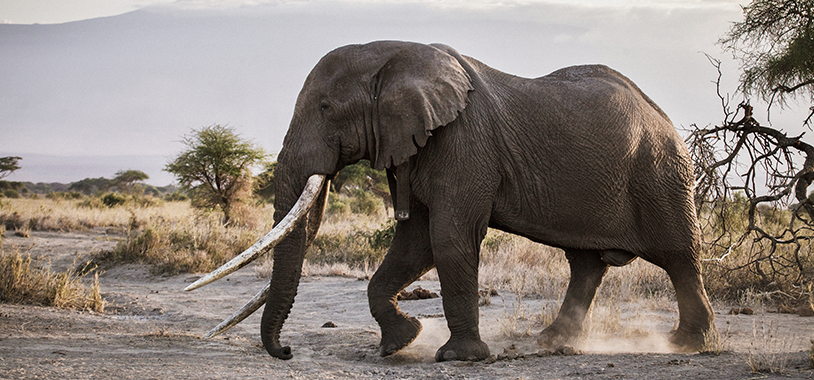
pixel 152 330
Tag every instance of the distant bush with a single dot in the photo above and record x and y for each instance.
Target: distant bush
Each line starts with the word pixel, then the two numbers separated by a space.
pixel 356 248
pixel 113 199
pixel 355 201
pixel 11 193
pixel 337 205
pixel 364 202
pixel 19 186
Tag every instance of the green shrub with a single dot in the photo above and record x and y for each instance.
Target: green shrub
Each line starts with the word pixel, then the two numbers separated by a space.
pixel 337 207
pixel 382 238
pixel 113 199
pixel 357 249
pixel 363 202
pixel 11 193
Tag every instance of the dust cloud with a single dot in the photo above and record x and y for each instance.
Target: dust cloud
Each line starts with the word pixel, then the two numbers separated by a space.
pixel 433 335
pixel 644 342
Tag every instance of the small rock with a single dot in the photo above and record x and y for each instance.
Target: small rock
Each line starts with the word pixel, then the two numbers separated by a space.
pixel 329 325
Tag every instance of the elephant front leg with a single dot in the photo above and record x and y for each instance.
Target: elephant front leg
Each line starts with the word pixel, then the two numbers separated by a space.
pixel 409 257
pixel 456 259
pixel 587 270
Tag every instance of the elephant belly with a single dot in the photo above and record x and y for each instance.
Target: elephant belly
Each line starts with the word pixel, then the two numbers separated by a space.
pixel 617 258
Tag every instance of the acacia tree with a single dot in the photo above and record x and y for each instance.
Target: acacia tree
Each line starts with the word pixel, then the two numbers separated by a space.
pixel 8 165
pixel 746 167
pixel 126 179
pixel 215 169
pixel 774 44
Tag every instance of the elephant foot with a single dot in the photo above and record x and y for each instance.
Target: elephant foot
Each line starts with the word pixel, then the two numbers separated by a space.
pixel 555 336
pixel 682 341
pixel 464 350
pixel 399 335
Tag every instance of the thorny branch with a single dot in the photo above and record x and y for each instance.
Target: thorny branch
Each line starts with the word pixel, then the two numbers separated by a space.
pixel 745 167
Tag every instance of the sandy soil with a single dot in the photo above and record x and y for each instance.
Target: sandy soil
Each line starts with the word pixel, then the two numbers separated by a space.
pixel 152 330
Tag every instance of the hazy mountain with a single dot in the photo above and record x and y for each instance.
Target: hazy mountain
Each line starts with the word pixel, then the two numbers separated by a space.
pixel 132 85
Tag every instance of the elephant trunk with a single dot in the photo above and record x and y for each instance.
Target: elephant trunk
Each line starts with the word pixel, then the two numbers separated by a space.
pixel 289 255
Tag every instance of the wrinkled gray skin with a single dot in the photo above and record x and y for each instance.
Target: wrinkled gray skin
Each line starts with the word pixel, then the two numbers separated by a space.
pixel 579 159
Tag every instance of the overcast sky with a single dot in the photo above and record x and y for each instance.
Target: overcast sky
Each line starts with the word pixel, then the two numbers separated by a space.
pixel 59 11
pixel 131 84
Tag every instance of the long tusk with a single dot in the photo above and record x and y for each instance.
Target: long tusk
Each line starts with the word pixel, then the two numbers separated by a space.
pixel 245 311
pixel 304 203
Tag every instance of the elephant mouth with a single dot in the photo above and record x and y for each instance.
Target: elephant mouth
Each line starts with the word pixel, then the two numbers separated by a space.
pixel 278 233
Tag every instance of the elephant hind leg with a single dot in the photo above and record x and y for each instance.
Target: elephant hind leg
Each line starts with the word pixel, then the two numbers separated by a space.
pixel 695 313
pixel 409 257
pixel 587 270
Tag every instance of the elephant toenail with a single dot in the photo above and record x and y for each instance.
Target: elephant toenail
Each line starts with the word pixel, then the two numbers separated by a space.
pixel 450 355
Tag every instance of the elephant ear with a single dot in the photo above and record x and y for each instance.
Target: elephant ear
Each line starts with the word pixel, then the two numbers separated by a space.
pixel 419 89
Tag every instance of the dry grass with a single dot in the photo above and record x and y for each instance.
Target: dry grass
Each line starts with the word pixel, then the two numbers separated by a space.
pixel 768 351
pixel 716 342
pixel 50 214
pixel 28 281
pixel 736 269
pixel 185 241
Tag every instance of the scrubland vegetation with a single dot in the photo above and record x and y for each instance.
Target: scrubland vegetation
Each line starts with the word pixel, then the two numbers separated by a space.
pixel 173 237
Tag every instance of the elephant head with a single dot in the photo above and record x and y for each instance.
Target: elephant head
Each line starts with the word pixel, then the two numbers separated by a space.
pixel 380 102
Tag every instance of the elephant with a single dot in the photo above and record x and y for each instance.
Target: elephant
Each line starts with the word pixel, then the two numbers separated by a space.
pixel 579 159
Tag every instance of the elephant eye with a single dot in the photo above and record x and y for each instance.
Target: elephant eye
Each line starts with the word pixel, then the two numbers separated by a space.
pixel 324 106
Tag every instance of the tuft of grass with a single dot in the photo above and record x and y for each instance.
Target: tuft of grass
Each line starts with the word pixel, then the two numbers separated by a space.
pixel 24 280
pixel 714 342
pixel 768 351
pixel 509 321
